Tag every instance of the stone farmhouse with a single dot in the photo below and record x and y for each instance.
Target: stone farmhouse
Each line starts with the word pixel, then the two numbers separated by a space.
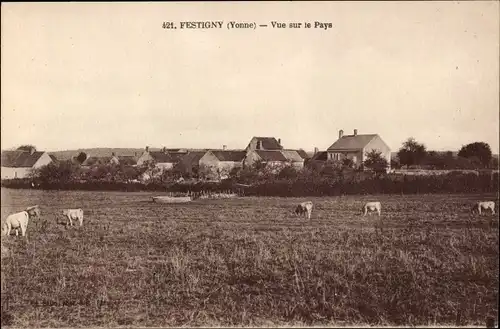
pixel 191 161
pixel 162 159
pixel 355 147
pixel 218 164
pixel 125 160
pixel 270 151
pixel 264 143
pixel 96 161
pixel 19 164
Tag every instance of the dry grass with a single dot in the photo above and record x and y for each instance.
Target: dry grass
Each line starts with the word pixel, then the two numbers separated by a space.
pixel 249 262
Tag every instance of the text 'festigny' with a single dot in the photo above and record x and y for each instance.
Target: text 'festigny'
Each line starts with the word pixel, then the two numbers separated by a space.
pixel 182 25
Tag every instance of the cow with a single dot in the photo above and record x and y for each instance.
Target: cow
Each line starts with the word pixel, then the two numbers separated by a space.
pixel 71 214
pixel 33 211
pixel 305 208
pixel 484 205
pixel 372 206
pixel 17 221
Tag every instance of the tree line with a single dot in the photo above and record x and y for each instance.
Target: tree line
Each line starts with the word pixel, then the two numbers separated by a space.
pixel 475 155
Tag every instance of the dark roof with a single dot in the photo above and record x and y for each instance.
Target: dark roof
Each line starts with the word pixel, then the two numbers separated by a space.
pixel 193 158
pixel 225 155
pixel 180 150
pixel 127 160
pixel 162 157
pixel 90 161
pixel 320 156
pixel 303 154
pixel 177 156
pixel 20 158
pixel 292 155
pixel 53 157
pixel 269 143
pixel 351 142
pixel 266 155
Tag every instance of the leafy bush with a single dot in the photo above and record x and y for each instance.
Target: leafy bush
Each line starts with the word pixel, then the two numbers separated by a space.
pixel 319 180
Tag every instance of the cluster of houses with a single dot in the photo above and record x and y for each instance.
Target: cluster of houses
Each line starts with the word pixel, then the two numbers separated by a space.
pixel 218 163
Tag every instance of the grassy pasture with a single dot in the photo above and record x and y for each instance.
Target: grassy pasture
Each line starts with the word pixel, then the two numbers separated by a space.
pixel 249 261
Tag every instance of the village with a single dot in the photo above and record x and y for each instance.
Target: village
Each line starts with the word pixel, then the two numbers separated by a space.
pixel 212 164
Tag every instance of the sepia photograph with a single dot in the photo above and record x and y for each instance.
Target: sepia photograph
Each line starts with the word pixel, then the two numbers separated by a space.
pixel 277 164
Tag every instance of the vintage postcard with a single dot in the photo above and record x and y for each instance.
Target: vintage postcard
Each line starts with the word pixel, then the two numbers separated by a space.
pixel 250 164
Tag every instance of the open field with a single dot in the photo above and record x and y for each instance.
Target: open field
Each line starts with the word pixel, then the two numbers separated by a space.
pixel 248 261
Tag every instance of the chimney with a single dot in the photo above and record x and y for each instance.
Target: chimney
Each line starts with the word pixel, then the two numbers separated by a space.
pixel 316 150
pixel 341 133
pixel 112 154
pixel 147 148
pixel 279 141
pixel 355 132
pixel 135 154
pixel 32 150
pixel 224 147
pixel 259 145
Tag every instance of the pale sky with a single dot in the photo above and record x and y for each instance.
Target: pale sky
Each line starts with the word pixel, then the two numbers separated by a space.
pixel 80 75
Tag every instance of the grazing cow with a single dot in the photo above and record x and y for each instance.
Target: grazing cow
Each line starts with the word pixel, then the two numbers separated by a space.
pixel 73 214
pixel 33 211
pixel 484 205
pixel 305 208
pixel 17 221
pixel 372 206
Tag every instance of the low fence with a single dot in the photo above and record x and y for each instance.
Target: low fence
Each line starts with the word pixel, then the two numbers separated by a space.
pixel 429 172
pixel 198 188
pixel 227 194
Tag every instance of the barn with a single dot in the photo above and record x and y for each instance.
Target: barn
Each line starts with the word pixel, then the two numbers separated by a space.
pixel 19 164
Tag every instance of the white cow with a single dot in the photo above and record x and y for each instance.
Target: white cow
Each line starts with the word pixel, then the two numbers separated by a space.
pixel 484 205
pixel 305 208
pixel 74 214
pixel 17 221
pixel 372 206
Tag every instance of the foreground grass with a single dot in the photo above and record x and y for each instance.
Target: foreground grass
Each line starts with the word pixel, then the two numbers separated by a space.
pixel 249 262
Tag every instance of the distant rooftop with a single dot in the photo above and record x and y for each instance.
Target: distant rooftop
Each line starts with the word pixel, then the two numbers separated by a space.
pixel 20 159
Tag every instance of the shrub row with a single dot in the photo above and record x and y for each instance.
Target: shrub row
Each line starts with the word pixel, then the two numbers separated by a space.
pixel 299 186
pixel 387 184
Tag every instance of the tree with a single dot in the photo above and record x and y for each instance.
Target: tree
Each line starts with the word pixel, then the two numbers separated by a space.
pixel 331 169
pixel 494 163
pixel 395 163
pixel 435 160
pixel 27 147
pixel 348 163
pixel 81 157
pixel 375 161
pixel 62 172
pixel 480 150
pixel 412 152
pixel 247 175
pixel 180 170
pixel 126 173
pixel 288 172
pixel 206 171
